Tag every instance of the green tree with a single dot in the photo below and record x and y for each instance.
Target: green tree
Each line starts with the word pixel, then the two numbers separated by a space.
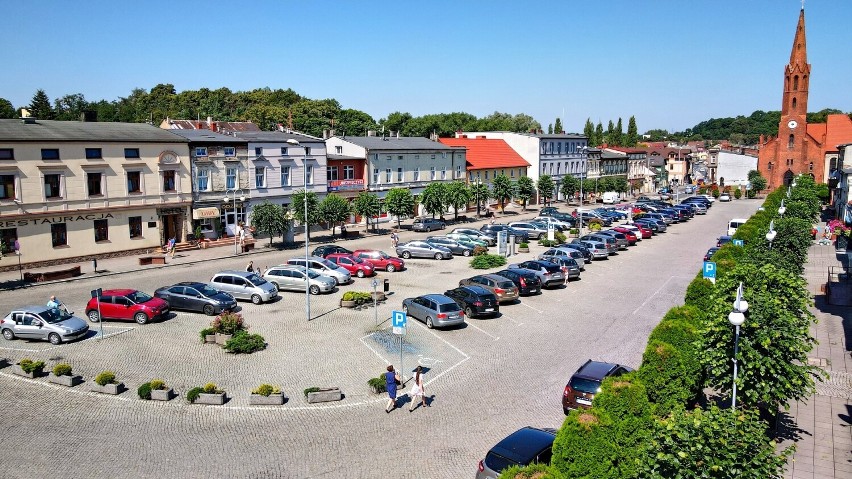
pixel 458 196
pixel 434 199
pixel 270 219
pixel 619 134
pixel 569 187
pixel 299 199
pixel 40 106
pixel 524 189
pixel 599 135
pixel 396 121
pixel 758 182
pixel 545 187
pixel 620 185
pixel 367 205
pixel 400 202
pixel 503 190
pixel 334 209
pixel 480 193
pixel 610 137
pixel 632 132
pixel 550 128
pixel 69 107
pixel 557 127
pixel 589 132
pixel 6 109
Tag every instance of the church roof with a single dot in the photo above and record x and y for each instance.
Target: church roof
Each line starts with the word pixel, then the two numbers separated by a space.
pixel 838 131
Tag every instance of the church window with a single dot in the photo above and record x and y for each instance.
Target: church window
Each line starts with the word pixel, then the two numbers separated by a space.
pixel 791 141
pixel 811 166
pixel 794 103
pixel 769 166
pixel 796 82
pixel 787 82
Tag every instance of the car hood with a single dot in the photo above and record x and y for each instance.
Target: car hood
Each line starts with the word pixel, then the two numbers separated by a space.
pixel 155 303
pixel 73 323
pixel 221 297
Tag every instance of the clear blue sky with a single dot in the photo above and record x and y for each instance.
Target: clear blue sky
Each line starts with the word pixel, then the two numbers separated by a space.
pixel 671 63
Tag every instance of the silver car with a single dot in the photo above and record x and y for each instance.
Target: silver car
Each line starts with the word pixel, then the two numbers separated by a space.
pixel 609 241
pixel 570 267
pixel 532 230
pixel 620 239
pixel 566 252
pixel 436 310
pixel 476 234
pixel 324 267
pixel 598 249
pixel 456 247
pixel 423 249
pixel 292 278
pixel 41 322
pixel 244 285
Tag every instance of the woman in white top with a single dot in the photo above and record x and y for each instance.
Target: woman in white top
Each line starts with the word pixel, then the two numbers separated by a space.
pixel 417 390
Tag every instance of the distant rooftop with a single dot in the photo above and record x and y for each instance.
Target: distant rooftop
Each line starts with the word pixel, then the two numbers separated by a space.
pixel 33 129
pixel 394 143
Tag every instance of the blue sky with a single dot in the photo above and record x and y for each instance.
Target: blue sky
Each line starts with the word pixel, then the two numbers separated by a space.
pixel 670 63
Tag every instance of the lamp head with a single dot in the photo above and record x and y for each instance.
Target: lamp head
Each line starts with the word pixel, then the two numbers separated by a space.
pixel 782 210
pixel 771 235
pixel 226 199
pixel 242 198
pixel 736 318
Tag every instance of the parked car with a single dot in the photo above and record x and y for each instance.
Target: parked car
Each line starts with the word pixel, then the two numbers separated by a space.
pixel 598 249
pixel 528 445
pixel 292 278
pixel 689 189
pixel 126 305
pixel 586 382
pixel 428 224
pixel 504 289
pixel 451 244
pixel 570 266
pixel 567 252
pixel 543 225
pixel 195 296
pixel 323 267
pixel 475 301
pixel 588 216
pixel 42 322
pixel 725 197
pixel 724 239
pixel 244 285
pixel 531 229
pixel 620 239
pixel 548 211
pixel 609 241
pixel 656 224
pixel 476 234
pixel 578 245
pixel 325 250
pixel 638 230
pixel 356 266
pixel 559 222
pixel 467 239
pixel 710 252
pixel 436 310
pixel 492 230
pixel 632 236
pixel 380 259
pixel 707 197
pixel 423 249
pixel 525 280
pixel 549 273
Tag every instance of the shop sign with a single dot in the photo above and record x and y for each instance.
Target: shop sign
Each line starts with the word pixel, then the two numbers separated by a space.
pixel 344 185
pixel 55 219
pixel 201 213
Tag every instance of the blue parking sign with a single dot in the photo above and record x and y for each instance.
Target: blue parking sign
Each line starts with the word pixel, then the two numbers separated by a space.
pixel 738 242
pixel 398 319
pixel 710 270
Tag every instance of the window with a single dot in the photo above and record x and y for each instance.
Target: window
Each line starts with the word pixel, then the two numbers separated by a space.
pixel 331 173
pixel 134 182
pixel 338 150
pixel 7 187
pixel 376 176
pixel 796 82
pixel 399 157
pixel 51 186
pixel 258 151
pixel 557 167
pixel 307 150
pixel 134 152
pixel 7 154
pixel 791 141
pixel 285 176
pixel 169 180
pixel 310 175
pixel 135 226
pixel 229 151
pixel 794 103
pixel 260 177
pixel 201 180
pixel 93 180
pixel 348 172
pixel 416 157
pixel 512 173
pixel 93 153
pixel 443 172
pixel 769 167
pixel 200 151
pixel 283 151
pixel 101 230
pixel 50 153
pixel 486 175
pixel 433 157
pixel 416 173
pixel 8 237
pixel 458 171
pixel 432 173
pixel 388 175
pixel 231 177
pixel 399 175
pixel 59 234
pixel 559 148
pixel 388 157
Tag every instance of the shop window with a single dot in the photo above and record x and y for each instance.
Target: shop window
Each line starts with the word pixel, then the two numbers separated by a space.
pixel 432 173
pixel 93 181
pixel 59 234
pixel 169 180
pixel 417 173
pixel 51 186
pixel 8 237
pixel 443 172
pixel 135 227
pixel 7 187
pixel 101 230
pixel 388 175
pixel 134 182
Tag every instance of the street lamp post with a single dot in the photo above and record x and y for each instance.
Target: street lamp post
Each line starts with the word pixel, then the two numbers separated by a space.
pixel 295 142
pixel 737 318
pixel 770 235
pixel 476 192
pixel 236 216
pixel 583 150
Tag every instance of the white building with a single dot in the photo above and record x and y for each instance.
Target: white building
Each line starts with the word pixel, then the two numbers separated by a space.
pixel 732 168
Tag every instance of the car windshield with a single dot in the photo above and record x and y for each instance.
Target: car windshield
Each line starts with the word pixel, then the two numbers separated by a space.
pixel 585 385
pixel 138 297
pixel 506 284
pixel 255 279
pixel 54 315
pixel 356 259
pixel 311 273
pixel 382 255
pixel 207 291
pixel 449 307
pixel 496 462
pixel 328 264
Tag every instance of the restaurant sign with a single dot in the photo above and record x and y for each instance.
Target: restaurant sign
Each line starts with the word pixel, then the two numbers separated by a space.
pixel 55 219
pixel 201 213
pixel 346 185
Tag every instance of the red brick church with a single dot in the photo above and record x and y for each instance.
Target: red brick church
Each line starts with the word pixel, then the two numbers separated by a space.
pixel 800 147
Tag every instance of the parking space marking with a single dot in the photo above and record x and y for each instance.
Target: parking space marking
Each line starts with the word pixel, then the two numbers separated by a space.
pixel 496 338
pixel 371 348
pixel 534 309
pixel 510 319
pixel 652 296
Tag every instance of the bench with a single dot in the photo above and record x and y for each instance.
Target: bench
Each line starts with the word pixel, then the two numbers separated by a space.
pixel 53 275
pixel 146 260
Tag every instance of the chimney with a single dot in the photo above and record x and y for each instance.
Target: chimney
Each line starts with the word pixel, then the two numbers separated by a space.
pixel 25 113
pixel 89 116
pixel 463 136
pixel 481 137
pixel 199 125
pixel 214 126
pixel 397 135
pixel 325 135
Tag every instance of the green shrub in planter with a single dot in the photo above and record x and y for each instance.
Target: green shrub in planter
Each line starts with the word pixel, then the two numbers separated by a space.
pixel 211 388
pixel 193 394
pixel 29 366
pixel 157 384
pixel 144 391
pixel 559 237
pixel 738 193
pixel 206 332
pixel 532 471
pixel 357 296
pixel 266 390
pixel 523 245
pixel 487 261
pixel 244 343
pixel 228 323
pixel 479 251
pixel 547 243
pixel 62 369
pixel 582 447
pixel 575 231
pixel 378 385
pixel 310 390
pixel 104 378
pixel 699 293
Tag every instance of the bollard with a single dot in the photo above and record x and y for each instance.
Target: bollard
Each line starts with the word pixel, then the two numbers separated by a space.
pixel 95 264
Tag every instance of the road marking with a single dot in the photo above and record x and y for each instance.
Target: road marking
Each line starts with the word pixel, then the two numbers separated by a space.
pixel 371 348
pixel 655 293
pixel 482 330
pixel 510 319
pixel 534 309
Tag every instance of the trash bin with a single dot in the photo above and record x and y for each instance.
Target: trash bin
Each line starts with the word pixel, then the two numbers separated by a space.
pixel 386 285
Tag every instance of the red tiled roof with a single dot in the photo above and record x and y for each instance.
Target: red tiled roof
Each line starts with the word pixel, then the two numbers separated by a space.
pixel 816 131
pixel 485 153
pixel 839 131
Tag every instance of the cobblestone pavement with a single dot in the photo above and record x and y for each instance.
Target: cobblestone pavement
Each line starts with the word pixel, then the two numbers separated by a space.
pixel 484 380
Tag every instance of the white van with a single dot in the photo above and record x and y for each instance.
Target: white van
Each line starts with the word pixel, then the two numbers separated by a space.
pixel 610 197
pixel 734 224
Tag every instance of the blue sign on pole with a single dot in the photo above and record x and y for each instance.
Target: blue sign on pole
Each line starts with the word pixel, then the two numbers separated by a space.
pixel 398 320
pixel 738 242
pixel 710 270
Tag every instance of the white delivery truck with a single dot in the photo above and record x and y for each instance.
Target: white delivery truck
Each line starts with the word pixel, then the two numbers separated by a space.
pixel 610 197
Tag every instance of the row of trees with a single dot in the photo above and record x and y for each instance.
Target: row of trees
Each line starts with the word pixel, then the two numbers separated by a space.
pixel 743 130
pixel 614 134
pixel 656 422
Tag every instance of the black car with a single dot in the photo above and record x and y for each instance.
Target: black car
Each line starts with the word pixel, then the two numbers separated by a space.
pixel 192 296
pixel 476 301
pixel 723 240
pixel 492 230
pixel 325 250
pixel 527 281
pixel 548 211
pixel 586 382
pixel 528 445
pixel 710 252
pixel 578 245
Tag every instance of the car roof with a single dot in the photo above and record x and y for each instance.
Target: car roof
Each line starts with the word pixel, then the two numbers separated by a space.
pixel 524 444
pixel 117 292
pixel 231 271
pixel 596 370
pixel 478 290
pixel 310 258
pixel 438 298
pixel 33 308
pixel 194 284
pixel 521 271
pixel 338 255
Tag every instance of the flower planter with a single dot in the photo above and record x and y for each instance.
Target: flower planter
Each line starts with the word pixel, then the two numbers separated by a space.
pixel 113 389
pixel 16 369
pixel 63 380
pixel 348 304
pixel 523 250
pixel 378 295
pixel 162 394
pixel 271 400
pixel 325 395
pixel 209 339
pixel 221 339
pixel 211 399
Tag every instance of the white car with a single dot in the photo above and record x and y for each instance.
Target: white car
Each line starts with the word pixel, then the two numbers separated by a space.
pixel 725 197
pixel 709 198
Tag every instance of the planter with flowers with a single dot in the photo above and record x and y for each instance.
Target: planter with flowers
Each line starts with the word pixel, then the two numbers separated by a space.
pixel 266 395
pixel 62 375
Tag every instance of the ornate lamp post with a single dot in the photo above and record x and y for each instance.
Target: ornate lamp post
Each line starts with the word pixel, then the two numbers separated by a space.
pixel 737 318
pixel 295 142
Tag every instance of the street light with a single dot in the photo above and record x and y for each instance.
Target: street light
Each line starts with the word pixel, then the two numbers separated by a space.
pixel 236 221
pixel 771 234
pixel 583 150
pixel 476 192
pixel 294 142
pixel 737 318
pixel 782 209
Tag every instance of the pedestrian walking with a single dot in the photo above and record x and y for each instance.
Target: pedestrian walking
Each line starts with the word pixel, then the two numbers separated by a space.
pixel 172 245
pixel 394 239
pixel 250 267
pixel 417 391
pixel 391 381
pixel 242 235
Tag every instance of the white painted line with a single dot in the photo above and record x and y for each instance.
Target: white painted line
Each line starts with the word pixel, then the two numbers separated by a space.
pixel 510 319
pixel 482 330
pixel 534 309
pixel 371 348
pixel 652 296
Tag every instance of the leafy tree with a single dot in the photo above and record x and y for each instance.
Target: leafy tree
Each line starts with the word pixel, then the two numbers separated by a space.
pixel 619 134
pixel 40 106
pixel 367 205
pixel 620 184
pixel 458 196
pixel 353 121
pixel 270 218
pixel 557 127
pixel 570 186
pixel 334 209
pixel 299 199
pixel 396 121
pixel 524 189
pixel 657 135
pixel 503 190
pixel 632 132
pixel 6 109
pixel 69 107
pixel 434 198
pixel 545 187
pixel 400 203
pixel 582 448
pixel 610 137
pixel 589 132
pixel 480 193
pixel 599 135
pixel 550 128
pixel 758 182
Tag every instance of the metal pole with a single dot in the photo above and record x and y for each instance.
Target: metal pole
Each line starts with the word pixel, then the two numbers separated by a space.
pixel 375 303
pixel 736 350
pixel 20 269
pixel 236 225
pixel 100 318
pixel 307 241
pixel 401 369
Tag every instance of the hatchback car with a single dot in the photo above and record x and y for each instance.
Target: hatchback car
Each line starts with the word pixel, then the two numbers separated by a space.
pixel 423 249
pixel 325 250
pixel 492 230
pixel 526 280
pixel 436 310
pixel 292 278
pixel 476 234
pixel 428 224
pixel 620 239
pixel 528 445
pixel 380 259
pixel 570 266
pixel 503 288
pixel 451 244
pixel 609 241
pixel 632 236
pixel 126 305
pixel 723 240
pixel 42 322
pixel 637 230
pixel 476 301
pixel 567 252
pixel 244 285
pixel 532 229
pixel 467 239
pixel 356 266
pixel 194 296
pixel 586 382
pixel 599 250
pixel 724 197
pixel 710 252
pixel 549 273
pixel 323 267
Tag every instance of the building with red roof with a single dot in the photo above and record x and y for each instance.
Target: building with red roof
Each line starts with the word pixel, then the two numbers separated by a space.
pixel 487 158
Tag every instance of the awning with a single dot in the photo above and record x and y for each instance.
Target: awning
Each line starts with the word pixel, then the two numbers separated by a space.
pixel 201 213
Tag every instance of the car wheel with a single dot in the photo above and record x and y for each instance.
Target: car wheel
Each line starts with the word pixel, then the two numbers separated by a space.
pixel 405 310
pixel 439 256
pixel 443 226
pixel 360 273
pixel 94 316
pixel 54 339
pixel 314 290
pixel 256 299
pixel 466 252
pixel 468 312
pixel 429 322
pixel 209 310
pixel 406 255
pixel 391 268
pixel 540 236
pixel 8 334
pixel 140 318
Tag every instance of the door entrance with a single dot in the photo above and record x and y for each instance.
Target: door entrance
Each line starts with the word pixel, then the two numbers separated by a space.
pixel 172 227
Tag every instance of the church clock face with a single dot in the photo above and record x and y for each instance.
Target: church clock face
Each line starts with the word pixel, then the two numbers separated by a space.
pixel 792 124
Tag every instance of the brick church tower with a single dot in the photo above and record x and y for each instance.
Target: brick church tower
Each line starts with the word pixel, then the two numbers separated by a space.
pixel 794 151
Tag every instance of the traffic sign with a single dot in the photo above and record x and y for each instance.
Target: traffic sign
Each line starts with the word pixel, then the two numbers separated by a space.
pixel 398 321
pixel 738 242
pixel 710 270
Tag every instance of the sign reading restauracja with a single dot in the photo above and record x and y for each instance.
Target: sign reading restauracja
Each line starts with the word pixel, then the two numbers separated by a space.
pixel 55 219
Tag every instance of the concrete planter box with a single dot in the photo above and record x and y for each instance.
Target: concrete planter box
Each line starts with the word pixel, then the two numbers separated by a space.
pixel 221 339
pixel 209 339
pixel 69 381
pixel 212 399
pixel 162 394
pixel 348 304
pixel 378 295
pixel 113 389
pixel 325 395
pixel 523 250
pixel 271 400
pixel 17 370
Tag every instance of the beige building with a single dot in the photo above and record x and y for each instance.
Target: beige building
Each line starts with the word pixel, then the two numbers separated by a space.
pixel 73 190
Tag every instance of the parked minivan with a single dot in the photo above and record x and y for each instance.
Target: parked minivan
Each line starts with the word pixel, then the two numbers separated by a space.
pixel 324 267
pixel 244 285
pixel 734 224
pixel 610 197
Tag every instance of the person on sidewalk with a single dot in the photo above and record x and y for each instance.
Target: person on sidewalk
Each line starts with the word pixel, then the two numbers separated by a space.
pixel 172 245
pixel 394 239
pixel 250 267
pixel 417 391
pixel 391 381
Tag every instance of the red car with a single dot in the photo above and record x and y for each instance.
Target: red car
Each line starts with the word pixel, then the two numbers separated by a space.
pixel 631 236
pixel 380 259
pixel 353 264
pixel 643 231
pixel 126 305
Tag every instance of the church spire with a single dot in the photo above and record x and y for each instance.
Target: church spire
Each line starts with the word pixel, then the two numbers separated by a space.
pixel 799 53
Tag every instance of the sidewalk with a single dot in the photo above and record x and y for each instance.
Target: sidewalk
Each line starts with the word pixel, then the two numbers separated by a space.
pixel 821 427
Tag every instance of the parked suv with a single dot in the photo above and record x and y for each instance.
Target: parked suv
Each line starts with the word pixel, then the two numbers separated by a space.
pixel 292 278
pixel 42 322
pixel 244 285
pixel 126 305
pixel 566 252
pixel 476 234
pixel 380 259
pixel 324 267
pixel 325 250
pixel 503 288
pixel 354 265
pixel 526 280
pixel 549 273
pixel 436 310
pixel 620 239
pixel 194 296
pixel 492 230
pixel 475 300
pixel 532 230
pixel 427 224
pixel 586 382
pixel 609 241
pixel 528 445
